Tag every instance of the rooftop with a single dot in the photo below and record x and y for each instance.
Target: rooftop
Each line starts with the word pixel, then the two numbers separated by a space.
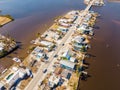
pixel 67 63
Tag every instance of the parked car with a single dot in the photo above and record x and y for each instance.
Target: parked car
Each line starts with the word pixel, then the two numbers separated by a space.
pixel 45 70
pixel 55 55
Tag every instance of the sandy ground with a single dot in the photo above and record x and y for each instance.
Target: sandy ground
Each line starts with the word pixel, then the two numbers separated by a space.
pixel 4 20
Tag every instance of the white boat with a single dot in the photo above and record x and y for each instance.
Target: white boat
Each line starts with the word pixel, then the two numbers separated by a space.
pixel 16 59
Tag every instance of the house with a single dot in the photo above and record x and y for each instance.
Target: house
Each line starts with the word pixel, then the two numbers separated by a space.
pixel 66 54
pixel 62 20
pixel 53 80
pixel 84 29
pixel 67 64
pixel 47 44
pixel 1 46
pixel 64 24
pixel 87 1
pixel 78 39
pixel 73 12
pixel 62 29
pixel 72 59
pixel 38 53
pixel 79 43
pixel 66 74
pixel 51 35
pixel 16 77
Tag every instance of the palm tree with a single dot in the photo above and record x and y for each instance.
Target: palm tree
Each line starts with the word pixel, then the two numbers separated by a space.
pixel 38 34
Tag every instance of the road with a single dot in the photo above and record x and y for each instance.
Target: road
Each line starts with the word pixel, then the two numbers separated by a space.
pixel 40 75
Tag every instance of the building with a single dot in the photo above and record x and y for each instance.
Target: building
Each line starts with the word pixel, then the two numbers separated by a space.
pixel 38 53
pixel 53 80
pixel 62 29
pixel 51 35
pixel 16 77
pixel 66 74
pixel 66 54
pixel 78 39
pixel 2 86
pixel 84 29
pixel 1 46
pixel 72 59
pixel 67 64
pixel 47 44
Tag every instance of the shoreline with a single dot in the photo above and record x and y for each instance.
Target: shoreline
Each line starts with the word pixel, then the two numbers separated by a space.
pixel 79 22
pixel 75 24
pixel 26 42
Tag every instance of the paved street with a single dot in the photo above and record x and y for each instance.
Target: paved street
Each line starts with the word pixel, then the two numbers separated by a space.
pixel 40 75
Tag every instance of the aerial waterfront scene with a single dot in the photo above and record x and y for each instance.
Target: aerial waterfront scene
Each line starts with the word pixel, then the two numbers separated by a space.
pixel 59 45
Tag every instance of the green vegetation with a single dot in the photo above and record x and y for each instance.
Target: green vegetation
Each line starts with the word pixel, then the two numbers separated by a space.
pixel 83 49
pixel 9 76
pixel 9 16
pixel 2 53
pixel 74 86
pixel 31 48
pixel 8 45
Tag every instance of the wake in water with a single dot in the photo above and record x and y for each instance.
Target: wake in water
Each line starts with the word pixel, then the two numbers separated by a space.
pixel 116 22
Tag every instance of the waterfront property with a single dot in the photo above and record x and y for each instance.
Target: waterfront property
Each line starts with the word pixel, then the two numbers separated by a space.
pixel 66 54
pixel 96 3
pixel 66 73
pixel 67 64
pixel 15 76
pixel 62 29
pixel 62 54
pixel 53 80
pixel 52 35
pixel 38 54
pixel 48 46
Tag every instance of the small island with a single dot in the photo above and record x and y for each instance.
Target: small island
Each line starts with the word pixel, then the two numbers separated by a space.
pixel 7 44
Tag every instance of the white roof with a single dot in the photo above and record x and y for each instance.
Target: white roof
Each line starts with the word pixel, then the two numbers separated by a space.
pixel 46 43
pixel 51 35
pixel 73 12
pixel 63 20
pixel 1 85
pixel 72 59
pixel 1 48
pixel 67 63
pixel 53 80
pixel 66 52
pixel 40 54
pixel 78 39
pixel 15 77
pixel 64 24
pixel 60 27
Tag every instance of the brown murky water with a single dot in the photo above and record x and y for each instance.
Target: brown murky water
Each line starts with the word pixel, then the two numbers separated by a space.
pixel 104 68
